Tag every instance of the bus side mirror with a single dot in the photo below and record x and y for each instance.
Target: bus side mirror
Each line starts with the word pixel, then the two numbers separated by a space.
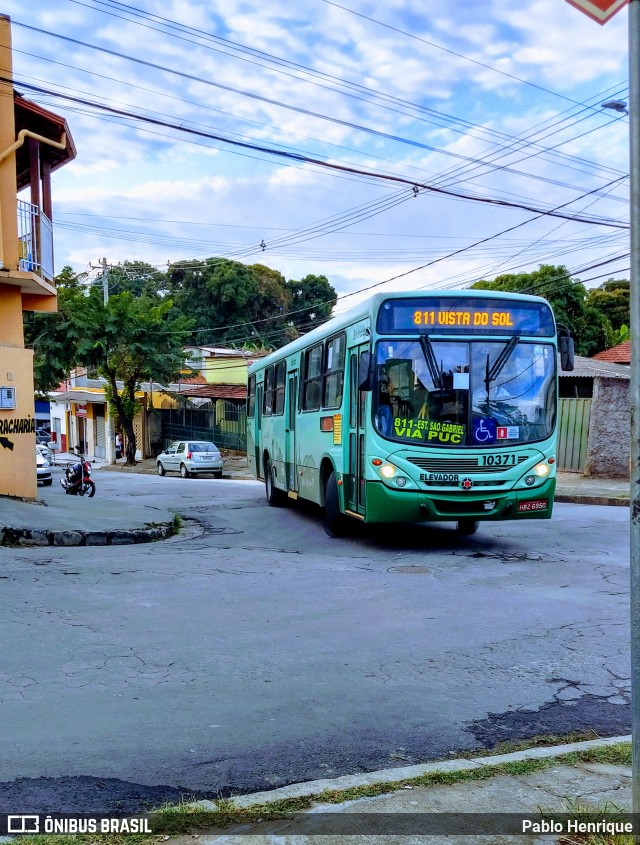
pixel 567 353
pixel 365 373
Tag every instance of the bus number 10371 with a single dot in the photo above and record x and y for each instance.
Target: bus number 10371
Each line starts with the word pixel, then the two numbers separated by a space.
pixel 505 460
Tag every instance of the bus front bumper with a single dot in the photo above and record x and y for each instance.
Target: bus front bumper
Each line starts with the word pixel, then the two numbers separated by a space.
pixel 386 505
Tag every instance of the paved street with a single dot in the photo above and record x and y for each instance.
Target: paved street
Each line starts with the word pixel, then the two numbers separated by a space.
pixel 253 651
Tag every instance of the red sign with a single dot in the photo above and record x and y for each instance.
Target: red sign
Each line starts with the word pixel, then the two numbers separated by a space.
pixel 599 10
pixel 81 410
pixel 536 505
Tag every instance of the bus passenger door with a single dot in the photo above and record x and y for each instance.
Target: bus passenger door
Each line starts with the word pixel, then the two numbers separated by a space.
pixel 355 496
pixel 258 432
pixel 290 434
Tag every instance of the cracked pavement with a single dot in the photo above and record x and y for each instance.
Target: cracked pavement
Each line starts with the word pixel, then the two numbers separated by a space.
pixel 253 651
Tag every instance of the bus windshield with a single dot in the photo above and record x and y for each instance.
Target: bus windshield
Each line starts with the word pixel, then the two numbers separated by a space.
pixel 449 393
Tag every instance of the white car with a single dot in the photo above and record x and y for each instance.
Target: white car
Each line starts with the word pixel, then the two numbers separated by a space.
pixel 43 469
pixel 190 457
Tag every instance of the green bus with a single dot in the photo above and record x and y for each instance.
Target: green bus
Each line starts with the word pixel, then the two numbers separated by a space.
pixel 414 407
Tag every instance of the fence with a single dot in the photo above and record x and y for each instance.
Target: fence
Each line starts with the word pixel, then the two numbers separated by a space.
pixel 573 432
pixel 225 423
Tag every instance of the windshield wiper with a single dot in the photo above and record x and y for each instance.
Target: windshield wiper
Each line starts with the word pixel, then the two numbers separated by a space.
pixel 492 371
pixel 429 356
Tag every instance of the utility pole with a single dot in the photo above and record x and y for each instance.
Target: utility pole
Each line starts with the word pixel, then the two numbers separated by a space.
pixel 634 170
pixel 102 265
pixel 105 281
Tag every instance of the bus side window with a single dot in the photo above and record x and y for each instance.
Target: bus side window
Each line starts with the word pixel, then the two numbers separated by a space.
pixel 268 392
pixel 278 404
pixel 251 396
pixel 334 372
pixel 312 379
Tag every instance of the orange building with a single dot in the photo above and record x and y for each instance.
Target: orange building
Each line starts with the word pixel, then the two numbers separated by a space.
pixel 33 143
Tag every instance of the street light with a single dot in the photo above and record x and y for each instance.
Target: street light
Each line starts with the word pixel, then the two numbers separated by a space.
pixel 616 105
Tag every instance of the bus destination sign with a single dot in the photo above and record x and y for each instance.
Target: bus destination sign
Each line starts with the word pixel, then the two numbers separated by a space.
pixel 444 315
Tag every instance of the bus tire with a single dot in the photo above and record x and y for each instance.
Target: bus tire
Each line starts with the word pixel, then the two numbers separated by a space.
pixel 467 527
pixel 275 497
pixel 335 522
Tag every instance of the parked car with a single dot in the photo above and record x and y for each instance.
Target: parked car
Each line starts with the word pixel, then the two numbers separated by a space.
pixel 43 469
pixel 46 453
pixel 190 457
pixel 43 435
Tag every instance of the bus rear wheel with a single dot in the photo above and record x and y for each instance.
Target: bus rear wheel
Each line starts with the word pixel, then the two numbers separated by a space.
pixel 467 527
pixel 275 497
pixel 336 524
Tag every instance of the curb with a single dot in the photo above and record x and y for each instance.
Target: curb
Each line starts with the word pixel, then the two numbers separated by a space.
pixel 578 499
pixel 119 537
pixel 312 788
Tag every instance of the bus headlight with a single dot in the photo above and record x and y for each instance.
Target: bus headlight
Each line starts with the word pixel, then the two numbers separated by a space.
pixel 401 481
pixel 541 469
pixel 388 470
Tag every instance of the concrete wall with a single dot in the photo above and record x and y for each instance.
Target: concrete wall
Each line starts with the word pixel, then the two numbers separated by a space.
pixel 608 448
pixel 17 427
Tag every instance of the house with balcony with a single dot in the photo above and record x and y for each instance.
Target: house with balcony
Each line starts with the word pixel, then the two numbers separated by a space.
pixel 33 143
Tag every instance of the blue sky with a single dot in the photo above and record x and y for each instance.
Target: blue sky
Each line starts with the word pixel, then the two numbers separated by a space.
pixel 494 100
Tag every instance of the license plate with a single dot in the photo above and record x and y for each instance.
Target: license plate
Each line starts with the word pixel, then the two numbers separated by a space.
pixel 536 505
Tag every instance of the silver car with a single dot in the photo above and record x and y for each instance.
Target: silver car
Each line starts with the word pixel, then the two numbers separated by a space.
pixel 43 469
pixel 190 457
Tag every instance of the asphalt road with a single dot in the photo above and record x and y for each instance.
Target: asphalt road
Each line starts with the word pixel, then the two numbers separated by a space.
pixel 253 651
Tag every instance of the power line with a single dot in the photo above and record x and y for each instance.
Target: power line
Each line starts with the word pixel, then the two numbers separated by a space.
pixel 370 174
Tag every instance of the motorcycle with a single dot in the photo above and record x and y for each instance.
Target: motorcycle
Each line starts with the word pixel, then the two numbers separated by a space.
pixel 77 479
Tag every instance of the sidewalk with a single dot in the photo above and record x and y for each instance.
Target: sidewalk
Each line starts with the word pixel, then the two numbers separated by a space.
pixel 477 800
pixel 235 466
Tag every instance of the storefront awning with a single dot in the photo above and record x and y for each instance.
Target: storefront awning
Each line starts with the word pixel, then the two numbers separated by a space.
pixel 80 396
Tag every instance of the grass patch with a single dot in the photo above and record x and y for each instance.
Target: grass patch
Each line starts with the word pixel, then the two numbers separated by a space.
pixel 586 813
pixel 184 818
pixel 176 524
pixel 541 741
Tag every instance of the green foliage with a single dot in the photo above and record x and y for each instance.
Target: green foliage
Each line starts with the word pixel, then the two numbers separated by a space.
pixel 131 339
pixel 316 296
pixel 53 337
pixel 612 299
pixel 228 297
pixel 136 277
pixel 247 304
pixel 569 299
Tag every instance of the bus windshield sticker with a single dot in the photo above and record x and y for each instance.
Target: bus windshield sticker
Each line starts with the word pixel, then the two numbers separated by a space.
pixel 337 429
pixel 508 432
pixel 485 430
pixel 466 315
pixel 461 381
pixel 429 430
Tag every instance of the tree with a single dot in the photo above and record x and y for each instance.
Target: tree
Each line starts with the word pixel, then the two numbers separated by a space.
pixel 312 301
pixel 236 303
pixel 130 340
pixel 612 299
pixel 568 297
pixel 53 337
pixel 136 277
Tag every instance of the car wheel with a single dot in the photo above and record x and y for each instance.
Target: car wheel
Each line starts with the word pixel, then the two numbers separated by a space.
pixel 467 527
pixel 184 472
pixel 47 482
pixel 335 522
pixel 161 469
pixel 275 497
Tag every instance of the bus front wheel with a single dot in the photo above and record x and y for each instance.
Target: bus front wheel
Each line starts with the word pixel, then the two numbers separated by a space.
pixel 335 522
pixel 275 497
pixel 467 527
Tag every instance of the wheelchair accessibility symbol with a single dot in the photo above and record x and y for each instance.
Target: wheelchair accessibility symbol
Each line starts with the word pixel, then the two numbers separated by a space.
pixel 484 430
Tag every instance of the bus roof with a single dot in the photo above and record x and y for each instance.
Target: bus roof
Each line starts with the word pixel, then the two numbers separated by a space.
pixel 369 307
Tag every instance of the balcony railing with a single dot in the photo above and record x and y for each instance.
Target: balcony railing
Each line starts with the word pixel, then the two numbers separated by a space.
pixel 35 236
